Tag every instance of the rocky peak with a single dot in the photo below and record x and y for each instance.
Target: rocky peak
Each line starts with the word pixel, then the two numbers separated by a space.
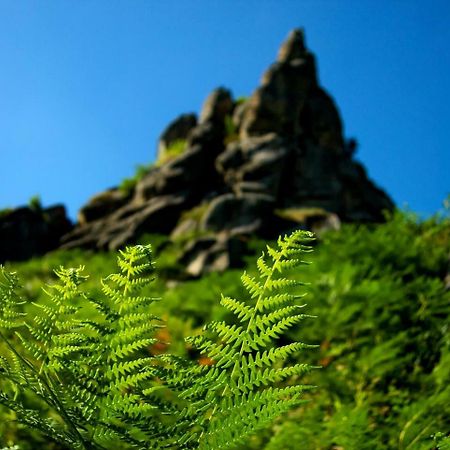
pixel 216 107
pixel 257 166
pixel 293 48
pixel 276 106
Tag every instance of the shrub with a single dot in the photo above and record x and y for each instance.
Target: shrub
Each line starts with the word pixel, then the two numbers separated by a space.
pixel 128 185
pixel 175 149
pixel 35 203
pixel 231 132
pixel 5 211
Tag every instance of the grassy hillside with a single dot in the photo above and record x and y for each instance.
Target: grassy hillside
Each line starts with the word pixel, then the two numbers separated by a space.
pixel 382 324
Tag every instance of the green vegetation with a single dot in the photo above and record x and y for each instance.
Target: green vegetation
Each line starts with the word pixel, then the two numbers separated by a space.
pixel 231 132
pixel 128 185
pixel 196 213
pixel 379 294
pixel 5 211
pixel 35 203
pixel 83 370
pixel 191 226
pixel 175 149
pixel 241 99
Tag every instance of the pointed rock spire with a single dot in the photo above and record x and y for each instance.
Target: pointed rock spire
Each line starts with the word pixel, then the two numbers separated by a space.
pixel 282 149
pixel 293 48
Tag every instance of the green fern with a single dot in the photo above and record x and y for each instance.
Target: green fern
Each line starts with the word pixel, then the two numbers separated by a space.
pixel 86 360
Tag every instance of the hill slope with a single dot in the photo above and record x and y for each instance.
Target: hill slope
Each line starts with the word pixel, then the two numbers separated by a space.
pixel 382 300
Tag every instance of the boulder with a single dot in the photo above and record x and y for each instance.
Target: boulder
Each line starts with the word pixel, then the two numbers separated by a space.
pixel 191 173
pixel 213 254
pixel 102 205
pixel 229 211
pixel 178 130
pixel 315 219
pixel 217 106
pixel 26 232
pixel 254 164
pixel 159 215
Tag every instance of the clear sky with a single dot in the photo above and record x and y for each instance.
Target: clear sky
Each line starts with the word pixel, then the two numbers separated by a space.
pixel 86 87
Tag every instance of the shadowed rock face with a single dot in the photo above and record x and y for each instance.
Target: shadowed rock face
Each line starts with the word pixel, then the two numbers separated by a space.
pixel 26 232
pixel 245 163
pixel 177 130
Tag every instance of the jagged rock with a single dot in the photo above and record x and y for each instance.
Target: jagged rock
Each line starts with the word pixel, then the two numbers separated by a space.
pixel 294 47
pixel 178 175
pixel 314 219
pixel 239 114
pixel 177 130
pixel 184 228
pixel 213 254
pixel 159 215
pixel 26 232
pixel 320 120
pixel 277 104
pixel 281 149
pixel 229 212
pixel 254 164
pixel 101 205
pixel 191 173
pixel 217 106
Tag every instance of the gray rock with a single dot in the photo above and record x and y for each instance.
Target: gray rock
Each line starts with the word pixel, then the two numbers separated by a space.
pixel 213 254
pixel 293 48
pixel 184 228
pixel 276 106
pixel 218 104
pixel 26 232
pixel 289 153
pixel 159 215
pixel 239 114
pixel 102 205
pixel 254 164
pixel 177 130
pixel 229 211
pixel 314 219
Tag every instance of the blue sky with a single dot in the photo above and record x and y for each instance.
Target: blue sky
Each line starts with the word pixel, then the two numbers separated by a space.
pixel 86 87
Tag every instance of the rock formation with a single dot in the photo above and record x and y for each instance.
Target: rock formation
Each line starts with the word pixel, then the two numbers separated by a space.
pixel 31 231
pixel 256 166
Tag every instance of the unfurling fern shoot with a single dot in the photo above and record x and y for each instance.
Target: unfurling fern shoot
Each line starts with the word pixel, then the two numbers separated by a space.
pixel 85 359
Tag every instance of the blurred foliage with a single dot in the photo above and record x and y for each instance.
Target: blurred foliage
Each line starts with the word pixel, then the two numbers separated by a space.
pixel 5 211
pixel 196 213
pixel 35 203
pixel 383 308
pixel 128 185
pixel 176 148
pixel 231 131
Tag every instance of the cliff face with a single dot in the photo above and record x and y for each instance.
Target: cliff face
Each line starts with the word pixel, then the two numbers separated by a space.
pixel 256 166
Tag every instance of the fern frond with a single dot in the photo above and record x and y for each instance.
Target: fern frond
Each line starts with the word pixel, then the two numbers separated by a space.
pixel 244 353
pixel 87 359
